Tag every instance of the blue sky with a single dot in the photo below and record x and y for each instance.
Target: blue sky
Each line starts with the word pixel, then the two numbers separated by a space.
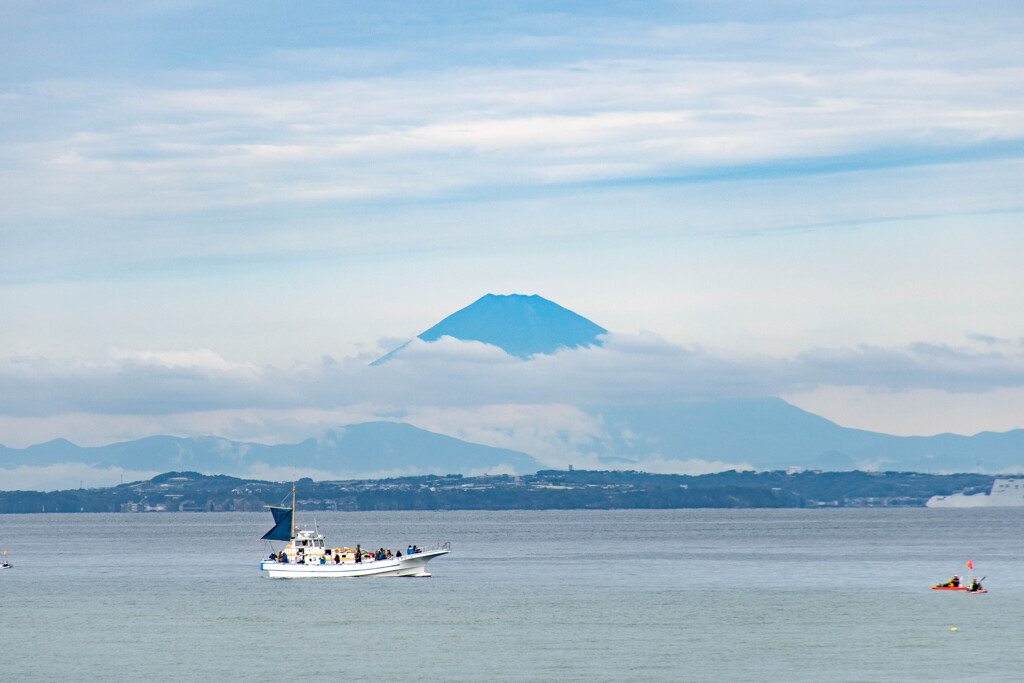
pixel 216 213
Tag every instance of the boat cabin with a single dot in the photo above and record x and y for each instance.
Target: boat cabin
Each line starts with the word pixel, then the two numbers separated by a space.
pixel 308 548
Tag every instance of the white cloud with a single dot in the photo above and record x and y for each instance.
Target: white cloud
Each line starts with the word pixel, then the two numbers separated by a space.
pixel 917 366
pixel 164 150
pixel 468 390
pixel 199 359
pixel 554 434
pixel 65 476
pixel 627 369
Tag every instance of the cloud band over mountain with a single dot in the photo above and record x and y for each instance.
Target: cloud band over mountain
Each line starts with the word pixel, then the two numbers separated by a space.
pixel 627 368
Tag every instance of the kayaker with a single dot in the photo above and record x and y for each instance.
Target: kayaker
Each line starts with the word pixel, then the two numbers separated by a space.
pixel 952 583
pixel 975 585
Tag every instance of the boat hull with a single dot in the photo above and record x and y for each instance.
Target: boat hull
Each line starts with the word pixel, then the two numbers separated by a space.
pixel 410 565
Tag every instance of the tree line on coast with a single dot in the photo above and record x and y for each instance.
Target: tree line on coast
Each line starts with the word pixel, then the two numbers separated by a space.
pixel 547 489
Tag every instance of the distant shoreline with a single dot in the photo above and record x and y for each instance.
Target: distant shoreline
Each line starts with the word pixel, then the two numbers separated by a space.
pixel 548 489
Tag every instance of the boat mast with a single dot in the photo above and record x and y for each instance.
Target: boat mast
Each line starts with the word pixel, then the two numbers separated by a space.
pixel 293 510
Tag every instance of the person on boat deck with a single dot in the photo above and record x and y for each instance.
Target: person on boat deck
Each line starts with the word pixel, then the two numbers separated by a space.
pixel 337 558
pixel 975 585
pixel 359 553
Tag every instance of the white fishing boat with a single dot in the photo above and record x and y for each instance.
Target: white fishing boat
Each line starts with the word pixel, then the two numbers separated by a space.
pixel 307 555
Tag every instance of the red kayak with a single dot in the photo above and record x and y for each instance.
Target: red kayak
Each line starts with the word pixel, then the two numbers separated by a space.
pixel 950 588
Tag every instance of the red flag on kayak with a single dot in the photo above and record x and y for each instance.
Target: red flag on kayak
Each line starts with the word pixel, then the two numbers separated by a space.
pixel 970 564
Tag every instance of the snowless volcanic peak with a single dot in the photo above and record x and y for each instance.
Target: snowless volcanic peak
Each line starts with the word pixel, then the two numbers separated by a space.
pixel 522 325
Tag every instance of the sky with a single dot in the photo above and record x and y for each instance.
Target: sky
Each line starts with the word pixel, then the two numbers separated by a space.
pixel 215 214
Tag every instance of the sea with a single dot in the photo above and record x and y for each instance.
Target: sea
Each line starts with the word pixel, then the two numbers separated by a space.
pixel 582 595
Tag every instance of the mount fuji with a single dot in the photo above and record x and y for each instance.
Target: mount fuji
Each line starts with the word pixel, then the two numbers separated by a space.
pixel 521 325
pixel 757 433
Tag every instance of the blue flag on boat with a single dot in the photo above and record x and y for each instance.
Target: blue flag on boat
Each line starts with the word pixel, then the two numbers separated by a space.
pixel 282 530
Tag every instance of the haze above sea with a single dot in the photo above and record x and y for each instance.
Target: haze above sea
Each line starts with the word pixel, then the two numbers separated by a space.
pixel 635 595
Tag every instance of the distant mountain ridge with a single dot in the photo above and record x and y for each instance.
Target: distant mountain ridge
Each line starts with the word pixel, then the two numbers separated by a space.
pixel 761 433
pixel 768 433
pixel 347 452
pixel 520 325
pixel 765 434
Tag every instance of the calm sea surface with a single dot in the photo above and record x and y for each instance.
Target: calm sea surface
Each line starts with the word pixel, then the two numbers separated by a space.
pixel 696 595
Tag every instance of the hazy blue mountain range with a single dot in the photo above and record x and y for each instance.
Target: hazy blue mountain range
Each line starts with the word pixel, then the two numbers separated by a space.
pixel 767 434
pixel 350 451
pixel 521 325
pixel 772 434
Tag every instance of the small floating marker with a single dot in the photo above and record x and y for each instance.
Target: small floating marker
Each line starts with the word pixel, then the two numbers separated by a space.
pixel 953 629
